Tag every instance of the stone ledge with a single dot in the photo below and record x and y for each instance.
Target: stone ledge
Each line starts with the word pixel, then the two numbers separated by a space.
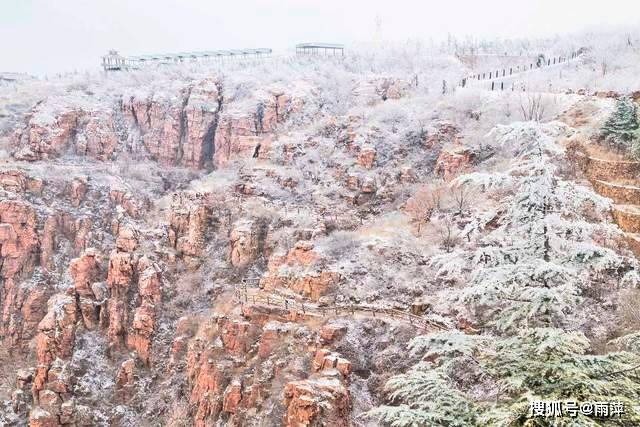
pixel 608 170
pixel 623 194
pixel 600 169
pixel 627 217
pixel 633 240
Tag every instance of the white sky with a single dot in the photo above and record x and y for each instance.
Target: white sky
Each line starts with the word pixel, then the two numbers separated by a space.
pixel 44 36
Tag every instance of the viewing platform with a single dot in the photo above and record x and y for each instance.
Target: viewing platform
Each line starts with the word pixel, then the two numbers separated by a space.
pixel 113 61
pixel 320 49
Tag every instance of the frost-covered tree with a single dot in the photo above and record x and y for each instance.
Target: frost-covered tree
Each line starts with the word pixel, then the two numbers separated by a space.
pixel 542 364
pixel 622 126
pixel 531 267
pixel 528 260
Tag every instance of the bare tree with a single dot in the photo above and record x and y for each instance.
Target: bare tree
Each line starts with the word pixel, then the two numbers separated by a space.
pixel 532 107
pixel 448 233
pixel 604 66
pixel 461 197
pixel 424 203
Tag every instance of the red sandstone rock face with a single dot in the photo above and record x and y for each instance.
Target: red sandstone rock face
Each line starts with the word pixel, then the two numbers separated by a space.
pixel 133 206
pixel 86 272
pixel 18 238
pixel 142 328
pixel 53 404
pixel 313 283
pixel 442 133
pixel 119 279
pixel 201 115
pixel 317 401
pixel 325 360
pixel 302 253
pixel 188 223
pixel 61 225
pixel 243 243
pixel 98 140
pixel 209 377
pixel 237 337
pixel 272 335
pixel 124 268
pixel 54 345
pixel 188 126
pixel 332 332
pixel 192 128
pixel 178 128
pixel 19 182
pixel 454 161
pixel 45 136
pixel 54 130
pixel 242 133
pixel 41 418
pixel 232 397
pixel 22 307
pixel 126 380
pixel 367 157
pixel 77 190
pixel 158 119
pixel 127 240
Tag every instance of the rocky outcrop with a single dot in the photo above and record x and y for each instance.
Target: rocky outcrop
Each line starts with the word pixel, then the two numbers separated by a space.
pixel 61 225
pixel 200 120
pixel 127 240
pixel 300 270
pixel 53 381
pixel 209 377
pixel 248 132
pixel 190 125
pixel 317 401
pixel 22 304
pixel 134 330
pixel 86 273
pixel 241 365
pixel 332 332
pixel 440 134
pixel 142 328
pixel 177 128
pixel 126 380
pixel 325 359
pixel 77 190
pixel 19 182
pixel 55 129
pixel 188 223
pixel 132 205
pixel 246 241
pixel 454 161
pixel 367 157
pixel 19 243
pixel 232 397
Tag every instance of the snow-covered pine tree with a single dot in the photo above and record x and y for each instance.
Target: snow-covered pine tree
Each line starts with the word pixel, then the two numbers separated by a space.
pixel 547 364
pixel 466 380
pixel 529 259
pixel 532 267
pixel 622 126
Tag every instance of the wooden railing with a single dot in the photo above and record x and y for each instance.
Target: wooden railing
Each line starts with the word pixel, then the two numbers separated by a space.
pixel 243 295
pixel 506 73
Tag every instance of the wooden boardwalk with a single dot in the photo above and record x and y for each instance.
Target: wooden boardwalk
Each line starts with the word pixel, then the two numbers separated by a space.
pixel 255 296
